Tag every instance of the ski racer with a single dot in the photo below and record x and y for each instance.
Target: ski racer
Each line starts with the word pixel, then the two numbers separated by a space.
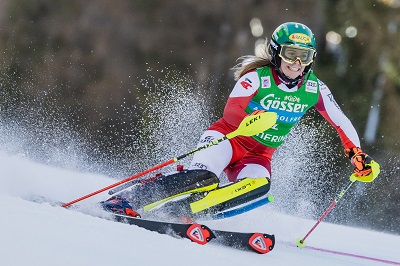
pixel 283 82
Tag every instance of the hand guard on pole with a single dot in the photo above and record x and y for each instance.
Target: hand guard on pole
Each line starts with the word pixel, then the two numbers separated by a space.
pixel 365 168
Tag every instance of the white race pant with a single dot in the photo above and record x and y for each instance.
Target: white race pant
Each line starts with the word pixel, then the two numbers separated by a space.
pixel 217 157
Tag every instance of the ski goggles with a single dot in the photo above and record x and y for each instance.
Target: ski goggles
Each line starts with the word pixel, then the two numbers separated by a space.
pixel 291 54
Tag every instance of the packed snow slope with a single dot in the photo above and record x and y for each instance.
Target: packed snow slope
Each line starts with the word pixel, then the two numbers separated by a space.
pixel 40 234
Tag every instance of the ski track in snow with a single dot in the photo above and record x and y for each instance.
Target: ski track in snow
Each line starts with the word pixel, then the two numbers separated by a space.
pixel 40 234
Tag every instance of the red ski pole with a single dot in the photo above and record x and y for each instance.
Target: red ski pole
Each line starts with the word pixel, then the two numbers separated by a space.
pixel 251 125
pixel 301 242
pixel 121 182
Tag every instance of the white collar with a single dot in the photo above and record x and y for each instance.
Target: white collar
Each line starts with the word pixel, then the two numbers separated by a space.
pixel 283 87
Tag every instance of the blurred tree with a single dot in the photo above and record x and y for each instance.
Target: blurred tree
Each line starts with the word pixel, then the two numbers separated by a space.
pixel 89 58
pixel 369 54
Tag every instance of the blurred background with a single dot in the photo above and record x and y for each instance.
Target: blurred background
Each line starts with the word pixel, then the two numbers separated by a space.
pixel 114 87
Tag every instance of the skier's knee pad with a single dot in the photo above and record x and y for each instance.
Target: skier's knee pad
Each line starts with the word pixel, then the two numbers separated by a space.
pixel 175 184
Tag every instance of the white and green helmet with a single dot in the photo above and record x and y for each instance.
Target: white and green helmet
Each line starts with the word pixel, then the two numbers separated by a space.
pixel 289 37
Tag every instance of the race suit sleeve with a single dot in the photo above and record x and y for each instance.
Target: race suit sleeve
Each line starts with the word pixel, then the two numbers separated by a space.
pixel 331 111
pixel 243 91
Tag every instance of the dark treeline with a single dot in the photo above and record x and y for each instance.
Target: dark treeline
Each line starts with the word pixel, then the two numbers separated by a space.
pixel 81 64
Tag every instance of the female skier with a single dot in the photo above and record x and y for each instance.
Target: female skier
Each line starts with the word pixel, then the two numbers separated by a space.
pixel 282 82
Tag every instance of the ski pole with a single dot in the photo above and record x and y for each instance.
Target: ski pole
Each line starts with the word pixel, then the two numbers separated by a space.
pixel 376 169
pixel 131 183
pixel 301 242
pixel 251 125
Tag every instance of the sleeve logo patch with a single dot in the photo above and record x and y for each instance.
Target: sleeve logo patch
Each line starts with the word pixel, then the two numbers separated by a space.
pixel 311 86
pixel 266 82
pixel 246 83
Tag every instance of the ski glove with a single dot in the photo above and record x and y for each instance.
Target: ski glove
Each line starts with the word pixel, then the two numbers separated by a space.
pixel 360 160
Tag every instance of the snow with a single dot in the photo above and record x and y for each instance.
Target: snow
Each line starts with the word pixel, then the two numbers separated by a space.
pixel 40 234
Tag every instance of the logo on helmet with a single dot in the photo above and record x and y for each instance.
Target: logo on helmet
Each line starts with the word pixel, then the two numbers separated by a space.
pixel 273 44
pixel 300 37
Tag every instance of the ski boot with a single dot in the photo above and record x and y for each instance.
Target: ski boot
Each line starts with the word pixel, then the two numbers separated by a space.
pixel 150 195
pixel 119 205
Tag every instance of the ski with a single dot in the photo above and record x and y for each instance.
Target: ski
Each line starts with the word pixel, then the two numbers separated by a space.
pixel 257 242
pixel 201 234
pixel 198 233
